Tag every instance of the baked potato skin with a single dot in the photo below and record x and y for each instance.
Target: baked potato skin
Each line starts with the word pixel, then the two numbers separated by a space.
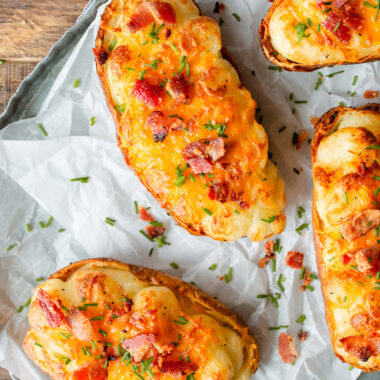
pixel 247 182
pixel 319 49
pixel 86 278
pixel 350 291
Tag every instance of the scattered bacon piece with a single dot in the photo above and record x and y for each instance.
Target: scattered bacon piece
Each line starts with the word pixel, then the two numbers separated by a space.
pixel 162 12
pixel 51 310
pixel 128 303
pixel 302 335
pixel 154 231
pixel 269 254
pixel 360 224
pixel 202 153
pixel 244 205
pixel 80 325
pixel 159 124
pixel 144 214
pixel 139 345
pixel 301 138
pixel 361 346
pixel 371 94
pixel 286 348
pixel 147 92
pixel 334 24
pixel 141 19
pixel 100 55
pixel 339 3
pixel 179 89
pixel 92 370
pixel 294 259
pixel 307 279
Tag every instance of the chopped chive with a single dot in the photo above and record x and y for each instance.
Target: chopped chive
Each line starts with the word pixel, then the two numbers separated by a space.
pixel 39 279
pixel 318 28
pixel 311 288
pixel 192 178
pixel 300 101
pixel 282 129
pixel 10 247
pixel 279 283
pixel 181 320
pixel 92 121
pixel 207 211
pixel 121 107
pixel 271 219
pixel 346 197
pixel 309 22
pixel 228 275
pixel 262 296
pixel 102 332
pixel 278 327
pixel 174 265
pixel 354 267
pixel 27 303
pixel 301 318
pixel 146 235
pixel 28 227
pixel 97 318
pixel 302 273
pixel 354 80
pixel 174 47
pixel 90 304
pixel 236 16
pixel 42 224
pixel 61 230
pixel 115 316
pixel 274 265
pixel 76 83
pixel 336 27
pixel 376 177
pixel 112 44
pixel 300 211
pixel 94 344
pixel 333 74
pixel 150 252
pixel 212 267
pixel 20 309
pixel 64 308
pixel 39 125
pixel 301 228
pixel 136 207
pixel 48 222
pixel 80 179
pixel 296 171
pixel 376 191
pixel 66 336
pixel 237 212
pixel 38 344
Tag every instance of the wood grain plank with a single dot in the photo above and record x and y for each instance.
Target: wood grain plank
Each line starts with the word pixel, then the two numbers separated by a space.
pixel 28 28
pixel 11 75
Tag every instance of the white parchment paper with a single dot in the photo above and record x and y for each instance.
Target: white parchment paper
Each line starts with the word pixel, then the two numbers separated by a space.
pixel 42 167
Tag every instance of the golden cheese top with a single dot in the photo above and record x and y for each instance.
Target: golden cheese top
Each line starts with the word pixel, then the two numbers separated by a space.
pixel 106 323
pixel 347 221
pixel 241 195
pixel 313 33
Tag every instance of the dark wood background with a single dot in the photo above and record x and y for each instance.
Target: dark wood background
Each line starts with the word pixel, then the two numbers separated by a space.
pixel 28 29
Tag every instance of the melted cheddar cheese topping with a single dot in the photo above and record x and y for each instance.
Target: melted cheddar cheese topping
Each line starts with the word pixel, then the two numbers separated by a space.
pixel 241 195
pixel 106 323
pixel 307 32
pixel 347 221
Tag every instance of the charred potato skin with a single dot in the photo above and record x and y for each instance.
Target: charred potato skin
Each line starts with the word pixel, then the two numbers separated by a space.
pixel 323 128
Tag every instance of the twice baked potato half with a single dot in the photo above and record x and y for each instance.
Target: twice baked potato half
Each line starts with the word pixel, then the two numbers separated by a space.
pixel 102 319
pixel 346 224
pixel 304 35
pixel 185 123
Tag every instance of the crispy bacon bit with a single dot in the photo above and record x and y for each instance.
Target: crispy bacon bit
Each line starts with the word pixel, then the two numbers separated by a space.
pixel 202 153
pixel 334 24
pixel 100 55
pixel 294 259
pixel 179 89
pixel 368 259
pixel 174 368
pixel 50 309
pixel 162 12
pixel 141 19
pixel 269 254
pixel 92 370
pixel 371 94
pixel 286 348
pixel 139 345
pixel 244 205
pixel 339 3
pixel 144 214
pixel 147 92
pixel 219 192
pixel 159 124
pixel 307 279
pixel 301 138
pixel 302 335
pixel 360 224
pixel 154 231
pixel 80 325
pixel 128 303
pixel 363 347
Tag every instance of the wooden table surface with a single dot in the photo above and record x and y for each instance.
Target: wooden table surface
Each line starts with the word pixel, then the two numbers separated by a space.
pixel 28 29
